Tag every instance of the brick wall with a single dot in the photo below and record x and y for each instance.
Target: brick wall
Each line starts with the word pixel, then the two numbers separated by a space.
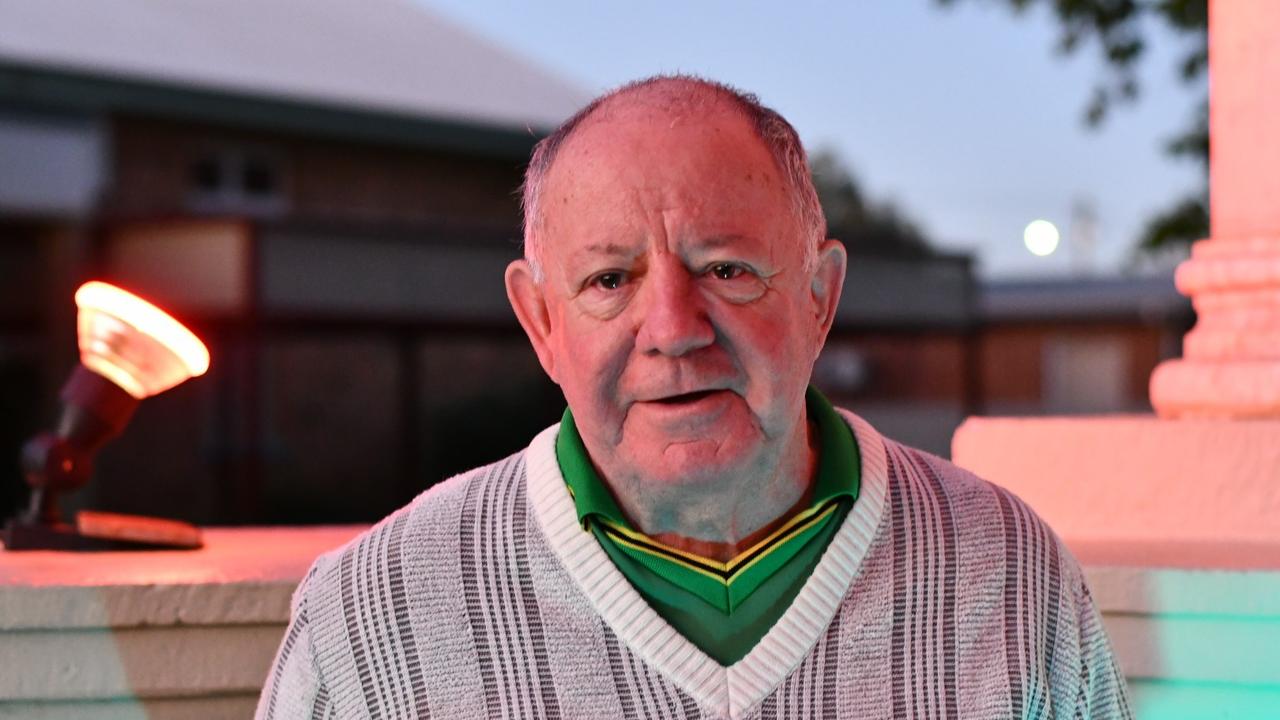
pixel 155 162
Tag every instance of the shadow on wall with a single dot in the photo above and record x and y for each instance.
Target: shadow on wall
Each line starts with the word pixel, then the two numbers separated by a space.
pixel 20 412
pixel 352 439
pixel 351 427
pixel 486 427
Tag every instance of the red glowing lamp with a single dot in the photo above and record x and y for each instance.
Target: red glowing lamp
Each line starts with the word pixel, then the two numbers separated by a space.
pixel 129 351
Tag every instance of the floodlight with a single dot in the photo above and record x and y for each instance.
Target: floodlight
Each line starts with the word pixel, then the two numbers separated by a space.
pixel 129 351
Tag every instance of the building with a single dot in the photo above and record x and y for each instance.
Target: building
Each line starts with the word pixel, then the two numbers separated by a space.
pixel 322 190
pixel 1074 346
pixel 325 193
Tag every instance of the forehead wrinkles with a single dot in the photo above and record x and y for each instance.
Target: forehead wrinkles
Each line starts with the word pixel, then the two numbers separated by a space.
pixel 639 174
pixel 648 156
pixel 669 106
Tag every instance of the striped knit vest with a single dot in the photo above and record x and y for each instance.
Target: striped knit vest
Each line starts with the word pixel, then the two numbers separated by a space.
pixel 941 596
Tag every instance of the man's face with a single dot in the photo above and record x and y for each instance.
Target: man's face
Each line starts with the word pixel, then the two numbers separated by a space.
pixel 676 313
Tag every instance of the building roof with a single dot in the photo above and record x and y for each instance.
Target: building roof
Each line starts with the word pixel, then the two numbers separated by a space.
pixel 386 56
pixel 1148 298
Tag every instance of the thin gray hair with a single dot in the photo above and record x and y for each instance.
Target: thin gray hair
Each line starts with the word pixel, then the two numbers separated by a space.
pixel 770 127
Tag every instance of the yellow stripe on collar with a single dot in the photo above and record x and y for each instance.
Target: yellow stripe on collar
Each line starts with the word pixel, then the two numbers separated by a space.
pixel 724 572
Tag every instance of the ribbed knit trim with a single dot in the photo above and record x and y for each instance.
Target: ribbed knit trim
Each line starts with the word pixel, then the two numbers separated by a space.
pixel 731 691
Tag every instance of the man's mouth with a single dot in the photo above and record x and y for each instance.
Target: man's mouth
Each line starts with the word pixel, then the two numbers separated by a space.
pixel 686 397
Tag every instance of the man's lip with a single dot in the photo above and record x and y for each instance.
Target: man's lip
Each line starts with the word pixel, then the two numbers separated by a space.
pixel 684 397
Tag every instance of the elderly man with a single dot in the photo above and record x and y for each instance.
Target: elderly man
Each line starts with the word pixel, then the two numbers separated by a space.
pixel 702 535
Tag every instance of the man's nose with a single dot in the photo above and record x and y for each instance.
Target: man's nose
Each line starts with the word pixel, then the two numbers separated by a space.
pixel 673 317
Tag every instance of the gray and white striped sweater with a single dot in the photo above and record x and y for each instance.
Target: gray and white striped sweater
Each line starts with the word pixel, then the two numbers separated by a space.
pixel 941 596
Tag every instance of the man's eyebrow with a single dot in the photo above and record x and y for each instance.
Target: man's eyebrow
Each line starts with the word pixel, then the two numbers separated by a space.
pixel 710 242
pixel 609 248
pixel 715 242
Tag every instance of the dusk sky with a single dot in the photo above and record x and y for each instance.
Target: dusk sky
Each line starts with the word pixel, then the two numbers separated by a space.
pixel 963 117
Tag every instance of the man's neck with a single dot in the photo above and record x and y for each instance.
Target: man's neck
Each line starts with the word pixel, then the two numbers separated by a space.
pixel 721 519
pixel 724 551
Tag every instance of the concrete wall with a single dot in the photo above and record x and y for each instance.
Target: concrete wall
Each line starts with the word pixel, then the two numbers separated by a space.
pixel 180 635
pixel 149 636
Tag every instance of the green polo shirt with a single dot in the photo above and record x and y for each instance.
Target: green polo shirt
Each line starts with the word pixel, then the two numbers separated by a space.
pixel 724 608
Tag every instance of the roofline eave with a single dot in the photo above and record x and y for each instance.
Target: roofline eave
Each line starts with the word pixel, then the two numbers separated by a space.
pixel 25 87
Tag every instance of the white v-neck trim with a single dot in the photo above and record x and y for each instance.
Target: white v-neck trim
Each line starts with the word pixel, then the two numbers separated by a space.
pixel 734 690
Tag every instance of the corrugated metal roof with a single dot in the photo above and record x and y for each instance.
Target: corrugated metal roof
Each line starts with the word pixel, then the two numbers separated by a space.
pixel 383 55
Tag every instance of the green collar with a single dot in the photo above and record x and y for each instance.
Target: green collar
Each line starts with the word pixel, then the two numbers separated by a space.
pixel 589 494
pixel 722 607
pixel 838 464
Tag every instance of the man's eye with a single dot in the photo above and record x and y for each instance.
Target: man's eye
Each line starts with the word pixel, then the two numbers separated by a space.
pixel 608 280
pixel 726 271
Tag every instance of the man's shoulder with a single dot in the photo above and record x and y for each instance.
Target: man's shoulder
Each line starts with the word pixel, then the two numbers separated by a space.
pixel 401 580
pixel 958 543
pixel 908 476
pixel 423 532
pixel 984 518
pixel 941 476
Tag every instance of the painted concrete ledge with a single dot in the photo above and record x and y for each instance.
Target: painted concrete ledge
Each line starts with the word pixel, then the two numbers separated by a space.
pixel 1193 643
pixel 1177 524
pixel 1134 479
pixel 150 634
pixel 179 635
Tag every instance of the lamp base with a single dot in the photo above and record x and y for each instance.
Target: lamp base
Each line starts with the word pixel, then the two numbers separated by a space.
pixel 98 531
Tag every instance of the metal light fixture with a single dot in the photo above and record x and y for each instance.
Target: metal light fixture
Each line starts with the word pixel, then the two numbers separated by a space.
pixel 129 351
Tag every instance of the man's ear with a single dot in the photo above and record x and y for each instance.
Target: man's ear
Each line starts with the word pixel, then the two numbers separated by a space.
pixel 827 283
pixel 529 302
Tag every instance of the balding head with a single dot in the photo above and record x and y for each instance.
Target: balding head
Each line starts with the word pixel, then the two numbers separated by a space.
pixel 678 97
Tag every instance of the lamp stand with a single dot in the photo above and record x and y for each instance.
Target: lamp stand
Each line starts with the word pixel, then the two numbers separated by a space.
pixel 94 410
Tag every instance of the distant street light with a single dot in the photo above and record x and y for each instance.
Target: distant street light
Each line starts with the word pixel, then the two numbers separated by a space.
pixel 1041 237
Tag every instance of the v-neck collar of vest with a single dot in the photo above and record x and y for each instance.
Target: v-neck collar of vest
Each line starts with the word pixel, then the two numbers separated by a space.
pixel 732 691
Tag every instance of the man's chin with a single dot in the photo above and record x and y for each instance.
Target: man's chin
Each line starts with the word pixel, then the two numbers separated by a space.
pixel 676 453
pixel 694 462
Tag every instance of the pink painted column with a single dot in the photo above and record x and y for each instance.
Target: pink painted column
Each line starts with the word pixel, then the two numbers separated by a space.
pixel 1199 482
pixel 1179 512
pixel 1231 359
